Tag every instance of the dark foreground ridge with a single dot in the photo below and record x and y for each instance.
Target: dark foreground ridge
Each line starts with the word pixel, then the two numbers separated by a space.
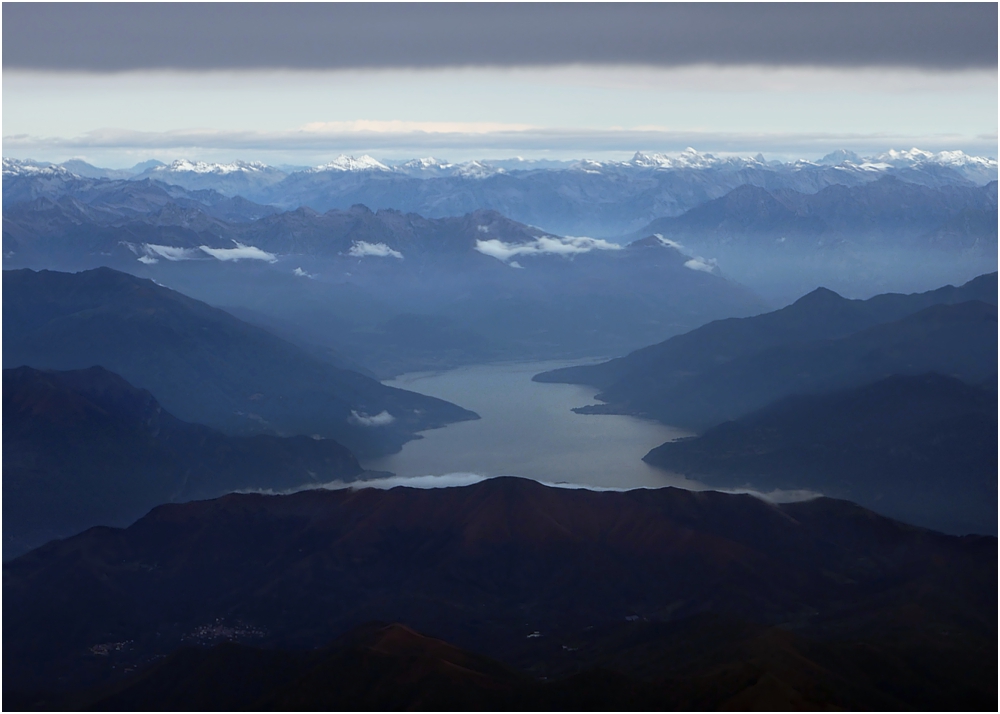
pixel 640 599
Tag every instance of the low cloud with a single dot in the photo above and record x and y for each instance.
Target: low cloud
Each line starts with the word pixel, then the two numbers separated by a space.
pixel 383 418
pixel 710 265
pixel 457 480
pixel 302 274
pixel 167 252
pixel 361 249
pixel 776 496
pixel 545 245
pixel 444 481
pixel 461 479
pixel 240 252
pixel 150 253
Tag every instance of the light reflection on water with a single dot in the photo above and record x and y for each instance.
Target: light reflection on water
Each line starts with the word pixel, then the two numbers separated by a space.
pixel 527 429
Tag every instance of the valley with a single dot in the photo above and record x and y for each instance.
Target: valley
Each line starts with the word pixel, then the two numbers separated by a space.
pixel 678 432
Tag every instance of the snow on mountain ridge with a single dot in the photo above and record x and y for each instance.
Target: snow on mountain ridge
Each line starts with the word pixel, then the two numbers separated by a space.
pixel 351 163
pixel 27 167
pixel 477 170
pixel 202 167
pixel 426 163
pixel 917 156
pixel 688 159
pixel 978 169
pixel 693 159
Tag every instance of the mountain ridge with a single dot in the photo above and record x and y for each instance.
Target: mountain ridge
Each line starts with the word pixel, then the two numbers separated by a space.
pixel 203 364
pixel 84 448
pixel 723 340
pixel 919 448
pixel 487 567
pixel 588 197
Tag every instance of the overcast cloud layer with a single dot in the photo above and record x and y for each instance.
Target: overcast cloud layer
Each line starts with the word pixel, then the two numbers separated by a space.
pixel 105 37
pixel 116 84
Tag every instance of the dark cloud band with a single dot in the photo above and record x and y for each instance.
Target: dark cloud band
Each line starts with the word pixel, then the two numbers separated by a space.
pixel 113 37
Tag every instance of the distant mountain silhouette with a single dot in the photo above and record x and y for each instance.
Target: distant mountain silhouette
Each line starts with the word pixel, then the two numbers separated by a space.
pixel 728 368
pixel 820 315
pixel 555 582
pixel 392 291
pixel 86 448
pixel 893 234
pixel 922 449
pixel 203 364
pixel 883 213
pixel 958 340
pixel 60 198
pixel 582 198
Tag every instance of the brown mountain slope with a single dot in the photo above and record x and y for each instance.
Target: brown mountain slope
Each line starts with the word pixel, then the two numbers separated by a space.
pixel 531 575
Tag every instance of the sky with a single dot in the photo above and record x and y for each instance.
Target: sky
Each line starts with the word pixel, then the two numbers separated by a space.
pixel 299 84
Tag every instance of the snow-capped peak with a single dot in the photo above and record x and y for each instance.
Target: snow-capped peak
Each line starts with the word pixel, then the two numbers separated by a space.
pixel 27 167
pixel 351 163
pixel 956 158
pixel 902 158
pixel 588 166
pixel 477 170
pixel 649 161
pixel 202 167
pixel 690 159
pixel 427 163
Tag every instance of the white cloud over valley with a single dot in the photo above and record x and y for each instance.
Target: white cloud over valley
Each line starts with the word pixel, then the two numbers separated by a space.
pixel 363 249
pixel 704 265
pixel 383 418
pixel 544 245
pixel 240 252
pixel 151 253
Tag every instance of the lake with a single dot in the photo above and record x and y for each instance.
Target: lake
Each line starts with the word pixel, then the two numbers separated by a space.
pixel 527 429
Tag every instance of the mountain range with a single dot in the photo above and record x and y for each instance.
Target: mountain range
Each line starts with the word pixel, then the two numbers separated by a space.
pixel 958 340
pixel 921 448
pixel 899 222
pixel 820 315
pixel 889 402
pixel 701 598
pixel 604 198
pixel 202 364
pixel 887 212
pixel 392 291
pixel 885 235
pixel 84 448
pixel 184 340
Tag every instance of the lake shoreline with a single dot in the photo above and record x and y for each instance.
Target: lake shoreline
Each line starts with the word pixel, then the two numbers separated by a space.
pixel 529 429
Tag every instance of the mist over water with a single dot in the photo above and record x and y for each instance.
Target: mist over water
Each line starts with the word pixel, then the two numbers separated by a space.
pixel 528 429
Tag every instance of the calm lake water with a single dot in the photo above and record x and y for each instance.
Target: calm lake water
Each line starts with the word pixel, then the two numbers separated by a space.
pixel 527 429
